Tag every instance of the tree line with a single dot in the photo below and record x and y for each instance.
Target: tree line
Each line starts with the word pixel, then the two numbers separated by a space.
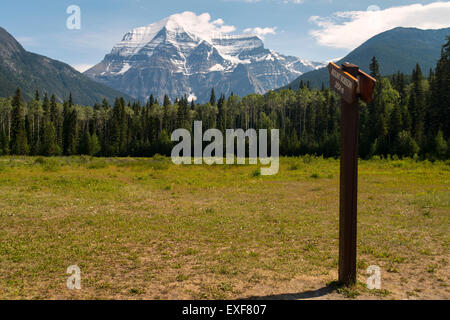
pixel 409 117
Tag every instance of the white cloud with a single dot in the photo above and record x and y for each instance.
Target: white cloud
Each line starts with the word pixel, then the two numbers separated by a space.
pixel 351 28
pixel 218 22
pixel 200 25
pixel 261 32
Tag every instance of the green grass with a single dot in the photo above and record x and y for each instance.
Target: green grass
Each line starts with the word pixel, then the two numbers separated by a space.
pixel 145 228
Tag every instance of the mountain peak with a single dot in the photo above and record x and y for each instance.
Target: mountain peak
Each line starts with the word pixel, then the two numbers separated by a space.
pixel 8 44
pixel 197 27
pixel 189 54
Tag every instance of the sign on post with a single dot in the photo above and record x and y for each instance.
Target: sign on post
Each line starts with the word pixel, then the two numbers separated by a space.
pixel 350 83
pixel 343 83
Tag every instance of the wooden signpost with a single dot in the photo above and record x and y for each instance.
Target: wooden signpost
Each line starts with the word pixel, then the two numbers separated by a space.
pixel 351 84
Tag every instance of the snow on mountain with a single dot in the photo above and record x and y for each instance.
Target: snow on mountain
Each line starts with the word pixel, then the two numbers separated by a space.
pixel 189 54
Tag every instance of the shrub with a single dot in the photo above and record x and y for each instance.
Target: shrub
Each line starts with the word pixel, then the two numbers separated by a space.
pixel 256 173
pixel 405 145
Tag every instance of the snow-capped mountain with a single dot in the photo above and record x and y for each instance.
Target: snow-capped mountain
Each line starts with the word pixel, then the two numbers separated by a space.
pixel 188 54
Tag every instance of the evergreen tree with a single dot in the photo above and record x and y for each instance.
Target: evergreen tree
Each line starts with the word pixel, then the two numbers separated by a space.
pixel 19 142
pixel 151 100
pixel 212 99
pixel 417 105
pixel 403 119
pixel 49 146
pixel 57 122
pixel 302 85
pixel 167 101
pixel 46 107
pixel 395 124
pixel 85 143
pixel 221 116
pixel 70 129
pixel 374 68
pixel 439 110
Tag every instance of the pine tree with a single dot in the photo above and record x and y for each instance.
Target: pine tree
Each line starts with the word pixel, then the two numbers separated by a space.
pixel 57 122
pixel 395 126
pixel 374 68
pixel 376 107
pixel 66 125
pixel 212 99
pixel 167 101
pixel 85 143
pixel 151 100
pixel 221 116
pixel 49 146
pixel 19 141
pixel 439 110
pixel 308 120
pixel 46 107
pixel 166 120
pixel 302 85
pixel 70 129
pixel 417 105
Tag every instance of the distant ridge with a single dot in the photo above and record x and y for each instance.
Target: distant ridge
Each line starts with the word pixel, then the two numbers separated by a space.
pixel 29 71
pixel 399 49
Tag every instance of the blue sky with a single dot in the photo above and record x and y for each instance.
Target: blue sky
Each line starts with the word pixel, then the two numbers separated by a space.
pixel 317 30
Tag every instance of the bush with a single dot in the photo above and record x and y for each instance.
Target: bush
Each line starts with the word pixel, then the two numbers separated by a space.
pixel 405 145
pixel 440 145
pixel 256 173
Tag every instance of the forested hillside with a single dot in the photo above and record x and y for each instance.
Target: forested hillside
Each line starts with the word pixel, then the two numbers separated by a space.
pixel 404 120
pixel 30 71
pixel 399 49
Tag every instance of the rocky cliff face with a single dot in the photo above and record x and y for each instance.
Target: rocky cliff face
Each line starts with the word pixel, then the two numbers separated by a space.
pixel 172 57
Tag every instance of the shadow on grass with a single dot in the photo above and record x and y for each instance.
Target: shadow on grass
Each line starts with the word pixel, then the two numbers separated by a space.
pixel 297 296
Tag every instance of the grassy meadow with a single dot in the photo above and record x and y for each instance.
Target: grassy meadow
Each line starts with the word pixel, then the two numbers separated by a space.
pixel 148 229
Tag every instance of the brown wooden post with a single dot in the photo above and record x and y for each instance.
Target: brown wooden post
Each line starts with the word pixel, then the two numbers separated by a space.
pixel 349 186
pixel 351 83
pixel 348 192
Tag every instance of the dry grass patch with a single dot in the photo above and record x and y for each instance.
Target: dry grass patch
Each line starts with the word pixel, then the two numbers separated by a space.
pixel 147 229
